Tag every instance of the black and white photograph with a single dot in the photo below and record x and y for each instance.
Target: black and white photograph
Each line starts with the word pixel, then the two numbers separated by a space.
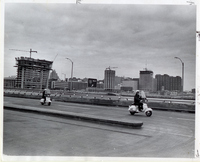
pixel 88 81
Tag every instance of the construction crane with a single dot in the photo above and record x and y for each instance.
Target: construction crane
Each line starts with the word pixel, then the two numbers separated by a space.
pixel 109 68
pixel 24 51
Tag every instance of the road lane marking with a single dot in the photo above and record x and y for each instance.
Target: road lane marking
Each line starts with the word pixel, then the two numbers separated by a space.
pixel 186 119
pixel 176 134
pixel 183 119
pixel 75 107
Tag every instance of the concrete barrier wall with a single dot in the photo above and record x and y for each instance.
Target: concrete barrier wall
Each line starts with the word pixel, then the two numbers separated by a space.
pixel 109 102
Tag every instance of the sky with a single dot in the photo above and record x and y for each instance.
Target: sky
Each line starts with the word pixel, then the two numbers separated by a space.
pixel 95 36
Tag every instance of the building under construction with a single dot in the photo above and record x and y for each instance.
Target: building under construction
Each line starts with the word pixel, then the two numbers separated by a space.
pixel 32 73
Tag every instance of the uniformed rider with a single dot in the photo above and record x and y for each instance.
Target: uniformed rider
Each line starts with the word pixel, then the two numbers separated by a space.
pixel 137 101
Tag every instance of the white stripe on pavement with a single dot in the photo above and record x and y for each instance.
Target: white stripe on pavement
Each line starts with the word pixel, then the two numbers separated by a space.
pixel 183 119
pixel 75 107
pixel 186 119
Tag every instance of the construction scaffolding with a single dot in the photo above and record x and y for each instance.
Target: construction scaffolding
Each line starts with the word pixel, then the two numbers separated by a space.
pixel 32 73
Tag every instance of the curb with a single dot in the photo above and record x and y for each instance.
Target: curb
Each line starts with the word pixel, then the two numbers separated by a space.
pixel 76 116
pixel 171 109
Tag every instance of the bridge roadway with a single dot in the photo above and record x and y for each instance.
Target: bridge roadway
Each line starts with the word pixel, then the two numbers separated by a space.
pixel 164 134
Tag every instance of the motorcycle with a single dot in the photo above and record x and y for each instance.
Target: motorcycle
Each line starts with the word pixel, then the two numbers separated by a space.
pixel 134 109
pixel 48 100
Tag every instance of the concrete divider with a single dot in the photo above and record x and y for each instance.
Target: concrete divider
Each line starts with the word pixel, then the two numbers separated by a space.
pixel 77 116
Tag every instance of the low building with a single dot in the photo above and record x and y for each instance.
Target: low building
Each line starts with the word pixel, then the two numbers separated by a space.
pixel 129 85
pixel 127 88
pixel 193 90
pixel 10 82
pixel 76 85
pixel 59 85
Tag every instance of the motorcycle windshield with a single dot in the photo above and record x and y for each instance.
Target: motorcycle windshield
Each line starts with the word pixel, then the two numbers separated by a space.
pixel 47 91
pixel 142 94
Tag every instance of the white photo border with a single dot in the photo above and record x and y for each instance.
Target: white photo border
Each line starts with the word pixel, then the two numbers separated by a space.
pixel 101 159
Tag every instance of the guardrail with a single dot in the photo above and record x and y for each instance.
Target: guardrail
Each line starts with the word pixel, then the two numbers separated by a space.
pixel 93 95
pixel 162 104
pixel 172 101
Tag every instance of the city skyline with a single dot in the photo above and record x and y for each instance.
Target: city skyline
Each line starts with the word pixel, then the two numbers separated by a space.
pixel 94 37
pixel 125 77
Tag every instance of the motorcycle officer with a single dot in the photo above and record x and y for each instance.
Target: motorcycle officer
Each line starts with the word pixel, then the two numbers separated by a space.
pixel 137 101
pixel 44 95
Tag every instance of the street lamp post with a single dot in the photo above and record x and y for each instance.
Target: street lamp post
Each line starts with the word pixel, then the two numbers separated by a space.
pixel 71 71
pixel 182 82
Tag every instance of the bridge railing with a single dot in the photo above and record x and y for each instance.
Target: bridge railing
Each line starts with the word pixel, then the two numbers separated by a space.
pixel 95 96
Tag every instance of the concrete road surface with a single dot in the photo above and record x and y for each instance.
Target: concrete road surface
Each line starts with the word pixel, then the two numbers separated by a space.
pixel 165 134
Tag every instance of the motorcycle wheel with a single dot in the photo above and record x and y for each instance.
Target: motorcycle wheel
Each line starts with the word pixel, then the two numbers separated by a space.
pixel 49 103
pixel 148 113
pixel 42 103
pixel 132 113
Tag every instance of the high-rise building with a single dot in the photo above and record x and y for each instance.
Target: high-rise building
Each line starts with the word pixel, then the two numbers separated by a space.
pixel 109 79
pixel 175 83
pixel 166 82
pixel 146 81
pixel 32 73
pixel 160 82
pixel 166 79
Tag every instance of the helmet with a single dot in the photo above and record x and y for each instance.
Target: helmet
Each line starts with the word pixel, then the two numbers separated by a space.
pixel 137 91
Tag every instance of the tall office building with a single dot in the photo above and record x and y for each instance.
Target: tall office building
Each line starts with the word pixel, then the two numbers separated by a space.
pixel 146 81
pixel 166 82
pixel 32 73
pixel 109 79
pixel 163 82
